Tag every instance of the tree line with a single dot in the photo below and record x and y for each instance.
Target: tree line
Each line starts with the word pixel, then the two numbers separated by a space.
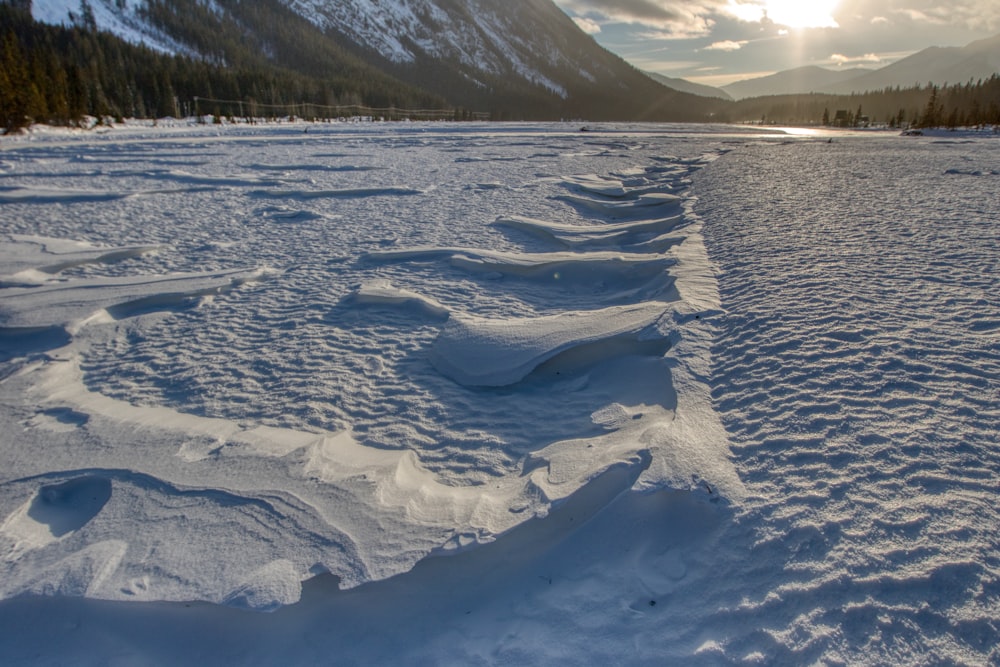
pixel 61 74
pixel 975 103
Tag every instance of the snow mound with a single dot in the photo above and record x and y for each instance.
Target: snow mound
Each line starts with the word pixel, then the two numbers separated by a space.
pixel 495 353
pixel 625 235
pixel 599 267
pixel 69 305
pixel 641 205
pixel 34 260
pixel 382 292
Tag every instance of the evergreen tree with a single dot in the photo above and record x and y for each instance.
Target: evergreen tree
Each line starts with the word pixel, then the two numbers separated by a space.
pixel 14 85
pixel 930 117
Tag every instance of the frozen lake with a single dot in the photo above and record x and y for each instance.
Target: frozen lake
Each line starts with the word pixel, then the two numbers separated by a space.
pixel 660 393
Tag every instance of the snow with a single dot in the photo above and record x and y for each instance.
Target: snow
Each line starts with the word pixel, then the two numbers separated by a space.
pixel 496 353
pixel 121 17
pixel 481 394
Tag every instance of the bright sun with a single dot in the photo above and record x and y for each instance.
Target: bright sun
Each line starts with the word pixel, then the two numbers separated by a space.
pixel 802 13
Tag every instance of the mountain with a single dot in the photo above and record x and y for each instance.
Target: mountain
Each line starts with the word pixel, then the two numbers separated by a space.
pixel 808 79
pixel 939 65
pixel 686 86
pixel 519 59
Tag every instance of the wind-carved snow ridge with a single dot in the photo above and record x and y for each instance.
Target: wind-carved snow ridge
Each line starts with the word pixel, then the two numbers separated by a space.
pixel 486 352
pixel 33 260
pixel 496 353
pixel 425 369
pixel 382 292
pixel 641 236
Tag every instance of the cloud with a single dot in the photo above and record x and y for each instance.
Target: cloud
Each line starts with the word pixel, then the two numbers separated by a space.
pixel 748 12
pixel 978 15
pixel 670 19
pixel 708 32
pixel 726 45
pixel 683 19
pixel 589 26
pixel 690 30
pixel 915 15
pixel 647 12
pixel 656 65
pixel 868 59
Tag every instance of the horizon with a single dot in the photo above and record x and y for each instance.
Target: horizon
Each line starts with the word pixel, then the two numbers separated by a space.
pixel 719 42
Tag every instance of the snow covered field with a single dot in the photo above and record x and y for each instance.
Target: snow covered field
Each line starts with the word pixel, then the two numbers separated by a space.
pixel 649 395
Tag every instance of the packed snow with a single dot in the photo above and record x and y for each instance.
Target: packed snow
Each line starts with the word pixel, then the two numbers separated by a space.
pixel 498 394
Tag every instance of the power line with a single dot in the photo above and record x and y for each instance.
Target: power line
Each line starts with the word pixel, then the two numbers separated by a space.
pixel 341 109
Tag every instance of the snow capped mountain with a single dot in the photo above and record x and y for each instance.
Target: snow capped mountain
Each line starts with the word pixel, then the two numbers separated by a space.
pixel 477 34
pixel 521 58
pixel 121 17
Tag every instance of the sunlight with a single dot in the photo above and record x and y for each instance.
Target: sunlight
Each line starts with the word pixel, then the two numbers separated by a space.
pixel 798 14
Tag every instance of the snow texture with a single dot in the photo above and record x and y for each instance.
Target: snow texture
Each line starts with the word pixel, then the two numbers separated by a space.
pixel 642 395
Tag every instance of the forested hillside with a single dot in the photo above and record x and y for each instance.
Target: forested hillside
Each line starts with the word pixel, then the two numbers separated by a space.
pixel 60 74
pixel 268 59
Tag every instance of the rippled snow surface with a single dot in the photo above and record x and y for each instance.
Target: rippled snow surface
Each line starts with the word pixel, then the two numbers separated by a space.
pixel 858 374
pixel 831 369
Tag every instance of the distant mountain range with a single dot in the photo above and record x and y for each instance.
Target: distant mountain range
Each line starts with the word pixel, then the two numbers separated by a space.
pixel 686 86
pixel 808 79
pixel 939 65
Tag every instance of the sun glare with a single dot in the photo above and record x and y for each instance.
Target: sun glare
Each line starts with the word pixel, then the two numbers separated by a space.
pixel 802 14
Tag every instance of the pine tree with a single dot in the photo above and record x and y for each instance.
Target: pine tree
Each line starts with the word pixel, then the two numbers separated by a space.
pixel 14 86
pixel 931 117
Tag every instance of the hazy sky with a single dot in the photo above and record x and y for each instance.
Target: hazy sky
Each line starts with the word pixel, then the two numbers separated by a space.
pixel 716 42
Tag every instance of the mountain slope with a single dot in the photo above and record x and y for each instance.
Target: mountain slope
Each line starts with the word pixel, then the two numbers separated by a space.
pixel 808 79
pixel 685 86
pixel 523 59
pixel 939 65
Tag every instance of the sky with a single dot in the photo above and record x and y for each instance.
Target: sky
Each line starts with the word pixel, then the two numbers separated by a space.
pixel 717 42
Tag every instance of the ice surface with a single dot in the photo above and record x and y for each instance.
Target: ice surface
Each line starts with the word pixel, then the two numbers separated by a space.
pixel 752 419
